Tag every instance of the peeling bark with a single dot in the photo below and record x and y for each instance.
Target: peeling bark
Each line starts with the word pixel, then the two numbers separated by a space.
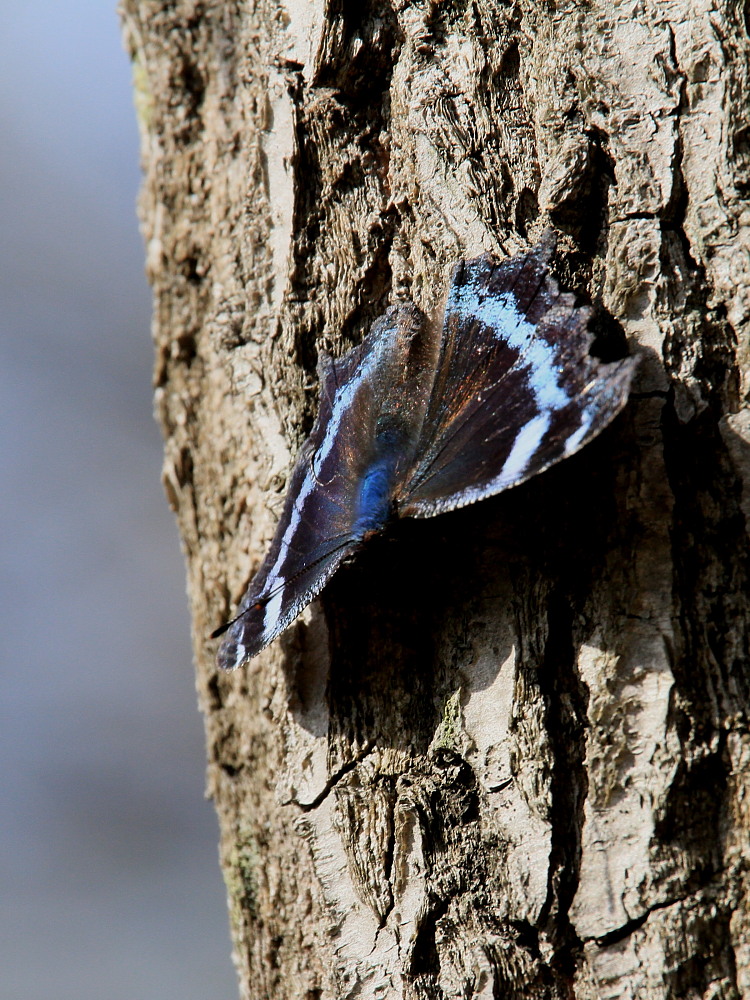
pixel 507 755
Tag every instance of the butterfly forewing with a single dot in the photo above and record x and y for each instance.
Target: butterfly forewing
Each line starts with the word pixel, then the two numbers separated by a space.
pixel 515 389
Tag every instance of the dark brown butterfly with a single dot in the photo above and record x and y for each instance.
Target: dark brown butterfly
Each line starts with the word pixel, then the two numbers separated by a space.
pixel 428 415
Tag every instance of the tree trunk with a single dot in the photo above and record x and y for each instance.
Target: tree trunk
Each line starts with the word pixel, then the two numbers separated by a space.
pixel 507 755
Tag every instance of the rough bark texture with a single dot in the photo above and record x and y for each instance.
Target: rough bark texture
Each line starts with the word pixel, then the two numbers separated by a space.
pixel 508 754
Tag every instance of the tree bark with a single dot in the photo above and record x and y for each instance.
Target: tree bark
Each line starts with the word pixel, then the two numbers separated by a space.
pixel 507 755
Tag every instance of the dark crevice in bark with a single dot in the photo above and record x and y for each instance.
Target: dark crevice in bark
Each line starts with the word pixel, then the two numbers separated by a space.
pixel 214 693
pixel 334 779
pixel 735 52
pixel 591 218
pixel 712 576
pixel 566 700
pixel 628 928
pixel 443 18
pixel 189 81
pixel 227 754
pixel 424 956
pixel 572 548
pixel 520 970
pixel 357 52
pixel 375 283
pixel 710 544
pixel 689 826
pixel 705 928
pixel 712 572
pixel 673 220
pixel 527 211
pixel 712 965
pixel 610 341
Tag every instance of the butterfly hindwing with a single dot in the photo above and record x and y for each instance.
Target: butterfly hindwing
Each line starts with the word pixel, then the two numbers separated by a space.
pixel 368 399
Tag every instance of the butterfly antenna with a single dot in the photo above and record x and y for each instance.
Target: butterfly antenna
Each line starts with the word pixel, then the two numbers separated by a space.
pixel 262 601
pixel 225 627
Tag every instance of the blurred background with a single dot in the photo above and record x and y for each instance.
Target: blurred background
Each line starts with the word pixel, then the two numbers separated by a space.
pixel 109 873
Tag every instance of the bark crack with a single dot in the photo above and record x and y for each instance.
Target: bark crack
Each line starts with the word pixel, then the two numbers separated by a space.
pixel 334 779
pixel 630 926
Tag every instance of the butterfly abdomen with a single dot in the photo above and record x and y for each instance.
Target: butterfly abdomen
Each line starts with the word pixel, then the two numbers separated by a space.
pixel 374 500
pixel 375 494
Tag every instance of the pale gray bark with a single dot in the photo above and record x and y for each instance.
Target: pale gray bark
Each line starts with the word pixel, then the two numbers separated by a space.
pixel 508 756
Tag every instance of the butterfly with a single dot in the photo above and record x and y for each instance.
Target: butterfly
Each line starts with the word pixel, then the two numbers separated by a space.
pixel 427 415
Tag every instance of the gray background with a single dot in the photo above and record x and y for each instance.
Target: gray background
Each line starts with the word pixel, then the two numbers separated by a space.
pixel 109 879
